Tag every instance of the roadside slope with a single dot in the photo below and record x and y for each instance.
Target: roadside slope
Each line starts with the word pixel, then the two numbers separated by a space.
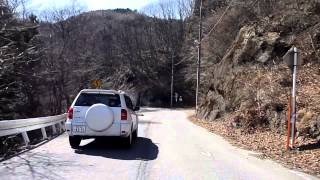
pixel 243 75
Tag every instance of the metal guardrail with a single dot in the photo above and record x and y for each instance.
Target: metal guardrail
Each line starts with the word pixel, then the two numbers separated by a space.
pixel 12 127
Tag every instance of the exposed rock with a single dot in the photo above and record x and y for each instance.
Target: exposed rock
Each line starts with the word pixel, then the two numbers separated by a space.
pixel 250 80
pixel 264 57
pixel 303 126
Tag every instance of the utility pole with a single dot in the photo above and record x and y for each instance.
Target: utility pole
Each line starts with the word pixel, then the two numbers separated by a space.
pixel 199 58
pixel 172 68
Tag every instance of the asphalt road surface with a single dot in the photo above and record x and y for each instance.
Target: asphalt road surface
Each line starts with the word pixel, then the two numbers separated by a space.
pixel 168 147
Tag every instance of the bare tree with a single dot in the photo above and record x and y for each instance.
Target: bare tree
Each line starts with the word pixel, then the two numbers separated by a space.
pixel 19 59
pixel 169 15
pixel 59 44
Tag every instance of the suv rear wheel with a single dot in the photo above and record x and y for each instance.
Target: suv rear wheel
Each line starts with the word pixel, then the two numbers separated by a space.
pixel 135 134
pixel 128 140
pixel 74 141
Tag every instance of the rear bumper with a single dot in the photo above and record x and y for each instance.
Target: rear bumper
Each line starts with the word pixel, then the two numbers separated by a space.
pixel 116 130
pixel 125 129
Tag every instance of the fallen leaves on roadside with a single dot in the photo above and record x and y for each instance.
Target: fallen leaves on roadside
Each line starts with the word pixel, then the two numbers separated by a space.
pixel 270 144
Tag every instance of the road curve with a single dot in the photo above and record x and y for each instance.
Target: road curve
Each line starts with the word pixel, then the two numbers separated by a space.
pixel 168 147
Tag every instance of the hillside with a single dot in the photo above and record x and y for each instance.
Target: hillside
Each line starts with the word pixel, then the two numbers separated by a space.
pixel 125 49
pixel 243 72
pixel 62 55
pixel 245 83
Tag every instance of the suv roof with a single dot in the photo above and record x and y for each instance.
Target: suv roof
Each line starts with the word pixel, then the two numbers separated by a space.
pixel 102 91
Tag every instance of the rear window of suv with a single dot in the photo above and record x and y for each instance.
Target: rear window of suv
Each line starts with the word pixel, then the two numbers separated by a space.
pixel 88 99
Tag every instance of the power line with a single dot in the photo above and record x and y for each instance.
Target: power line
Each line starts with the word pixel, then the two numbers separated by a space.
pixel 219 20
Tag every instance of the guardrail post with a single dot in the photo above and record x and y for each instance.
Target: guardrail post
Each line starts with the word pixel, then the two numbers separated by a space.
pixel 59 128
pixel 25 138
pixel 63 126
pixel 54 129
pixel 44 133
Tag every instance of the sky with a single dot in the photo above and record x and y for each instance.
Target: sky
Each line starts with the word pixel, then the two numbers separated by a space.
pixel 89 4
pixel 112 4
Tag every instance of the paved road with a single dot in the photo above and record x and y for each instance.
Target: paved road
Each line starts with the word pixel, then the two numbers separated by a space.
pixel 168 147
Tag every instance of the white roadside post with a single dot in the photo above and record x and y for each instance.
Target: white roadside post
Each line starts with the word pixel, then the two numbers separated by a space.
pixel 25 138
pixel 294 79
pixel 291 59
pixel 44 133
pixel 63 125
pixel 176 95
pixel 54 129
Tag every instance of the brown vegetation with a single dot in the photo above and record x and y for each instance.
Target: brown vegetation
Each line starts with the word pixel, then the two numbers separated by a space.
pixel 243 71
pixel 305 158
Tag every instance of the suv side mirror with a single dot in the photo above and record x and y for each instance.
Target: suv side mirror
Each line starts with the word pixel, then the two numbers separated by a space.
pixel 137 108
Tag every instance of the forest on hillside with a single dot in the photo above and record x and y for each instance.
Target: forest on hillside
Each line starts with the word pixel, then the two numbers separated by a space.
pixel 47 60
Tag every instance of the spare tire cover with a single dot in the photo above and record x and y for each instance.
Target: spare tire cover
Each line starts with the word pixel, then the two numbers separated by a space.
pixel 99 117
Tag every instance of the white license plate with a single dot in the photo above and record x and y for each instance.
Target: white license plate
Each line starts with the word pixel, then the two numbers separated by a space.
pixel 79 129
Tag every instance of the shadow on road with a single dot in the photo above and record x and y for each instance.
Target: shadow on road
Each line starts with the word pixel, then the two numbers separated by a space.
pixel 34 165
pixel 148 122
pixel 146 110
pixel 311 146
pixel 142 149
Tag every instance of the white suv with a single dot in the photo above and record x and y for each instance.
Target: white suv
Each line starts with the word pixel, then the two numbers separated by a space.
pixel 97 112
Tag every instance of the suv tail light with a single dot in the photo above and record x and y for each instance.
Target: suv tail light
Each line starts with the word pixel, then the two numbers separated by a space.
pixel 124 114
pixel 70 113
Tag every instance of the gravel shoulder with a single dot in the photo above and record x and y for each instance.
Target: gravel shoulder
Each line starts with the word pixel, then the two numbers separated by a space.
pixel 270 145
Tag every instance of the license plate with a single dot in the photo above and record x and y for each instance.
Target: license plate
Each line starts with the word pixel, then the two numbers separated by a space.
pixel 79 129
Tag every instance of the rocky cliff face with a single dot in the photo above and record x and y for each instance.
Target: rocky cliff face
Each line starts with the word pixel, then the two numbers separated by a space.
pixel 244 75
